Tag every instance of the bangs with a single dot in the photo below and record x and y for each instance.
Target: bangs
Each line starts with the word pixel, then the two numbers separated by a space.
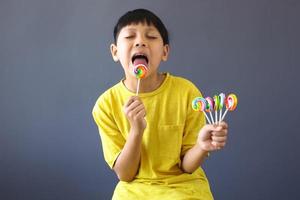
pixel 141 16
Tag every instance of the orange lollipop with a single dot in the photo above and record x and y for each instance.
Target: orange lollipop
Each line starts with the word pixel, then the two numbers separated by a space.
pixel 231 102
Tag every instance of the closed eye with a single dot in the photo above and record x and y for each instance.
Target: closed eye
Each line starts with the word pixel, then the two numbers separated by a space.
pixel 152 37
pixel 129 36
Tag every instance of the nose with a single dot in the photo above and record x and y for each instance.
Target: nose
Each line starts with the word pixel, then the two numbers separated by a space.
pixel 140 42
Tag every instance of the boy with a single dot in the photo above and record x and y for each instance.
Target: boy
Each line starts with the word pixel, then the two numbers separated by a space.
pixel 152 141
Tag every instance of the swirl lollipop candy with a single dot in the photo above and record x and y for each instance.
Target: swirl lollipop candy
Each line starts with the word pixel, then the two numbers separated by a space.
pixel 200 104
pixel 216 107
pixel 210 107
pixel 140 71
pixel 231 102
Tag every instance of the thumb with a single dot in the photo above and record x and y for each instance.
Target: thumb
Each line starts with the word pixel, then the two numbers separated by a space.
pixel 206 131
pixel 209 128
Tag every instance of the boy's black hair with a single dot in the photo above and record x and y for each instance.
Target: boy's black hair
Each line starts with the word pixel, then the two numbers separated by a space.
pixel 141 16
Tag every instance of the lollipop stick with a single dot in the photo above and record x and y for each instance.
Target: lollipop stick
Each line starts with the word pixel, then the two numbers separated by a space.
pixel 211 117
pixel 220 116
pixel 207 117
pixel 138 87
pixel 224 114
pixel 216 116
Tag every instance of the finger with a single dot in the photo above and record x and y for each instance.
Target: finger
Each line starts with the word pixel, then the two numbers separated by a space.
pixel 132 113
pixel 130 100
pixel 209 127
pixel 220 127
pixel 219 139
pixel 222 132
pixel 218 145
pixel 138 109
pixel 141 114
pixel 221 145
pixel 223 124
pixel 133 105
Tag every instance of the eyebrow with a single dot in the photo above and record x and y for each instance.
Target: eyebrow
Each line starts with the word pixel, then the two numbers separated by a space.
pixel 147 29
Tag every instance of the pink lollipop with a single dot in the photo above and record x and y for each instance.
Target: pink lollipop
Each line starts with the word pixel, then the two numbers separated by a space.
pixel 210 107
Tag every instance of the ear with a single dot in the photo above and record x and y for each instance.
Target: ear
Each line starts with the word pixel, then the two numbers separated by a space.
pixel 114 51
pixel 166 52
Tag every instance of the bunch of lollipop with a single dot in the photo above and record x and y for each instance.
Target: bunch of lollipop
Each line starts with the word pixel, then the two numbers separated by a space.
pixel 215 104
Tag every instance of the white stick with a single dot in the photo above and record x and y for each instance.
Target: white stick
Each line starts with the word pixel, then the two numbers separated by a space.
pixel 138 87
pixel 211 117
pixel 224 114
pixel 220 116
pixel 216 116
pixel 207 117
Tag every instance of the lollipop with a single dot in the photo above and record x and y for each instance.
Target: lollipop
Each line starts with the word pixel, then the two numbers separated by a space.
pixel 216 107
pixel 231 102
pixel 140 71
pixel 210 107
pixel 200 104
pixel 221 100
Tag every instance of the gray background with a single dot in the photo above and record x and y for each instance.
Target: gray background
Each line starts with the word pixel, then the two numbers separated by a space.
pixel 55 62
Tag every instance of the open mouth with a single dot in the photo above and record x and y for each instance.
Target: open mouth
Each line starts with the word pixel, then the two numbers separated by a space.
pixel 139 59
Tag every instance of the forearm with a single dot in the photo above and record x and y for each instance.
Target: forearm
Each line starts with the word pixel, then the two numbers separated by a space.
pixel 193 158
pixel 127 163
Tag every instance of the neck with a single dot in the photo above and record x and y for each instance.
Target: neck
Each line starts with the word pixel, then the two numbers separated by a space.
pixel 148 84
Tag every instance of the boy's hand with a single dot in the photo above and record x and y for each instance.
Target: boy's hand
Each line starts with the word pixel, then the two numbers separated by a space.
pixel 135 112
pixel 213 137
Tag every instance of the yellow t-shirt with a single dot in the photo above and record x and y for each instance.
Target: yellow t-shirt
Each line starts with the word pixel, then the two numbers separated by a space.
pixel 172 129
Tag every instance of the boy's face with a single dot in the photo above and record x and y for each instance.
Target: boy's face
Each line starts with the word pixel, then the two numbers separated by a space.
pixel 139 39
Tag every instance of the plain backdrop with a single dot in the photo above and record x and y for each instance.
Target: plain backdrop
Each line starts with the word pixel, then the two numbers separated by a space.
pixel 55 62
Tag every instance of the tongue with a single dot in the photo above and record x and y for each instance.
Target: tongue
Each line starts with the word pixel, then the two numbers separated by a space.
pixel 139 61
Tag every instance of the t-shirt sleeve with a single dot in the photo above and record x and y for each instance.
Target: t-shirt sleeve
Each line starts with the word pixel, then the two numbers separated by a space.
pixel 194 122
pixel 111 138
